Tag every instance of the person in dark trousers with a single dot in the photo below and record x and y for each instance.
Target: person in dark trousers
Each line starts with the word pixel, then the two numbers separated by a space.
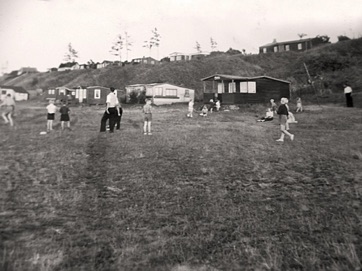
pixel 348 94
pixel 119 117
pixel 111 112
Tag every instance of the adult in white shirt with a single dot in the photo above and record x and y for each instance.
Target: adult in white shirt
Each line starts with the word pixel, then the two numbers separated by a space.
pixel 111 113
pixel 348 94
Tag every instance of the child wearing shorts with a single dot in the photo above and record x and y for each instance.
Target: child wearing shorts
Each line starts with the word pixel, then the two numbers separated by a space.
pixel 147 117
pixel 51 108
pixel 64 115
pixel 283 113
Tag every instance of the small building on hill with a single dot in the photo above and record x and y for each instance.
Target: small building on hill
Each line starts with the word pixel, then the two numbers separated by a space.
pixel 27 70
pixel 18 93
pixel 68 66
pixel 293 45
pixel 162 93
pixel 145 60
pixel 231 89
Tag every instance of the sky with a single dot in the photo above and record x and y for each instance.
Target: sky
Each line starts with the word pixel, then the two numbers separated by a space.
pixel 36 33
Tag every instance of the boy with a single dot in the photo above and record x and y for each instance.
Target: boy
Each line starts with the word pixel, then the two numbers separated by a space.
pixel 147 111
pixel 269 115
pixel 8 109
pixel 64 115
pixel 283 113
pixel 51 108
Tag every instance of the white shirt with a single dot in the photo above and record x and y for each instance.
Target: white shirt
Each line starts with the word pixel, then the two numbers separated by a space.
pixel 112 99
pixel 347 89
pixel 51 108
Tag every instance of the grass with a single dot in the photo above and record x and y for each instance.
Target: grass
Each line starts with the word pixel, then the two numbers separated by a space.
pixel 214 193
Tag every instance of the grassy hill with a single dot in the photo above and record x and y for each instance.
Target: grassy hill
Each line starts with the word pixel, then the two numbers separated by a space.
pixel 330 65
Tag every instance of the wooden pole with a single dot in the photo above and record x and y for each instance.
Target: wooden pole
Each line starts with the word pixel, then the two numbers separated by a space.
pixel 311 82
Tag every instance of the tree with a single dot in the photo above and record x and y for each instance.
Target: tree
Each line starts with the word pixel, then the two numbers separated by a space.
pixel 213 44
pixel 322 39
pixel 301 35
pixel 117 47
pixel 128 43
pixel 155 39
pixel 198 47
pixel 71 54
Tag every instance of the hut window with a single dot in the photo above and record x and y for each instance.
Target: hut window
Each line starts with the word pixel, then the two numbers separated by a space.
pixel 170 92
pixel 247 87
pixel 232 87
pixel 299 46
pixel 275 49
pixel 157 91
pixel 187 93
pixel 62 91
pixel 3 92
pixel 287 47
pixel 243 87
pixel 220 88
pixel 251 87
pixel 97 93
pixel 51 91
pixel 264 50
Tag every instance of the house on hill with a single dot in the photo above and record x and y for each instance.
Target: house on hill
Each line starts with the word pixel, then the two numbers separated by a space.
pixel 104 64
pixel 145 60
pixel 162 93
pixel 27 70
pixel 68 66
pixel 231 89
pixel 18 93
pixel 293 45
pixel 177 56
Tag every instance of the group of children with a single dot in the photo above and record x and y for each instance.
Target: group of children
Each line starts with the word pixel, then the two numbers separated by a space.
pixel 64 115
pixel 269 115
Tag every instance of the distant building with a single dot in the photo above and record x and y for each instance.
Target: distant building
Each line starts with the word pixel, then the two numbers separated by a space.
pixel 104 64
pixel 145 60
pixel 293 45
pixel 68 66
pixel 18 93
pixel 26 70
pixel 162 93
pixel 177 56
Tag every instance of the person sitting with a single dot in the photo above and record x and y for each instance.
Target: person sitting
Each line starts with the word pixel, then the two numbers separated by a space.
pixel 204 110
pixel 268 116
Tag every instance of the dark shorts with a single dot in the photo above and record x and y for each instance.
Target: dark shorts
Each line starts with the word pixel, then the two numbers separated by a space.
pixel 64 117
pixel 50 116
pixel 147 117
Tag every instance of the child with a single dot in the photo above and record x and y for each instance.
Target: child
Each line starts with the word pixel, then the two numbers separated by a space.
pixel 291 118
pixel 64 115
pixel 273 106
pixel 283 117
pixel 217 105
pixel 204 110
pixel 147 111
pixel 8 108
pixel 191 108
pixel 299 105
pixel 268 116
pixel 51 108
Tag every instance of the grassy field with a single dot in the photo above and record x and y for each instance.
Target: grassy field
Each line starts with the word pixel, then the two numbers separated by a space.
pixel 214 193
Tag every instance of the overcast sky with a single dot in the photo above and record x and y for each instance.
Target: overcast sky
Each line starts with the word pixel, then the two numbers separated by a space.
pixel 36 32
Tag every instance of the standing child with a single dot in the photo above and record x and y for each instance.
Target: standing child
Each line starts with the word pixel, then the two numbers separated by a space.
pixel 191 108
pixel 273 106
pixel 299 105
pixel 51 108
pixel 283 113
pixel 147 111
pixel 217 105
pixel 8 108
pixel 64 115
